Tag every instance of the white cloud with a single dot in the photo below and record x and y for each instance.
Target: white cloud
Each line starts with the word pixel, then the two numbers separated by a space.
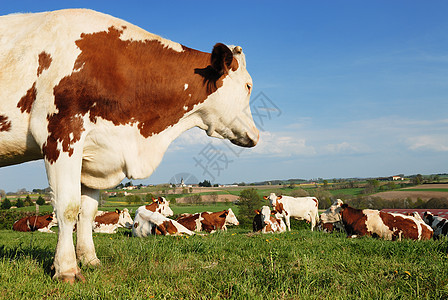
pixel 282 145
pixel 435 143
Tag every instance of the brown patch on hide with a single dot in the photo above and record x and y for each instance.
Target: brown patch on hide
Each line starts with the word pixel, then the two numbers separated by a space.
pixel 139 83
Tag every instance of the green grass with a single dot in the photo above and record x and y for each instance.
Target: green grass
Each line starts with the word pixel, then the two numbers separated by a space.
pixel 236 265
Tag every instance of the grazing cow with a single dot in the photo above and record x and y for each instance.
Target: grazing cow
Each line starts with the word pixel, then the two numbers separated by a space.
pixel 39 223
pixel 100 99
pixel 208 221
pixel 108 222
pixel 301 208
pixel 330 219
pixel 266 222
pixel 147 222
pixel 438 224
pixel 389 226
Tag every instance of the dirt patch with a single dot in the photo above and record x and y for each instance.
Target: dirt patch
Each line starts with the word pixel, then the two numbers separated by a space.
pixel 428 186
pixel 211 198
pixel 414 195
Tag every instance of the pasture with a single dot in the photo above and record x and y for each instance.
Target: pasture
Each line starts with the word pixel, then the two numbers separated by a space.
pixel 231 265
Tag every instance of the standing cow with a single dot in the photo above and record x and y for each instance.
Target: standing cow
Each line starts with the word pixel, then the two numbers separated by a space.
pixel 301 208
pixel 100 99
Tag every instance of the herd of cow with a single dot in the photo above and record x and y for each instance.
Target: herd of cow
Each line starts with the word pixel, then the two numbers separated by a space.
pixel 153 219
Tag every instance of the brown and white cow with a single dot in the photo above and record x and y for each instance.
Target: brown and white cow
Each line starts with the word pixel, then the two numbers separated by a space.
pixel 208 221
pixel 147 222
pixel 330 219
pixel 389 226
pixel 265 221
pixel 300 208
pixel 100 99
pixel 39 223
pixel 109 222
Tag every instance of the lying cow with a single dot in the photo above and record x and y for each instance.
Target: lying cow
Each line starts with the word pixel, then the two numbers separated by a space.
pixel 438 224
pixel 427 231
pixel 159 205
pixel 36 223
pixel 208 221
pixel 266 222
pixel 330 219
pixel 109 222
pixel 301 208
pixel 389 226
pixel 100 99
pixel 147 222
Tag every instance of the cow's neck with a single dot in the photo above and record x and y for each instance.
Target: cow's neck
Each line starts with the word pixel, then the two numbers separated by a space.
pixel 156 146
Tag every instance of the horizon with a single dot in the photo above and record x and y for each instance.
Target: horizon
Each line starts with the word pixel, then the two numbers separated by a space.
pixel 341 89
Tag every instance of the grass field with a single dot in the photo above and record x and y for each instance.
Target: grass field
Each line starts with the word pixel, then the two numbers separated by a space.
pixel 231 265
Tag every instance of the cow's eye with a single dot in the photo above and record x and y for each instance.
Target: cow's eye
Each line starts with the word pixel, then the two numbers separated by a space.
pixel 249 87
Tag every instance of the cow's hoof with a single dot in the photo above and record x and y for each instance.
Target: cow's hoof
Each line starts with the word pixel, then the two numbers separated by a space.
pixel 70 278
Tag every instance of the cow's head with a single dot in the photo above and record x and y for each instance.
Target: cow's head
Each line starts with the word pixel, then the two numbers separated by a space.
pixel 163 206
pixel 272 199
pixel 230 218
pixel 124 218
pixel 227 114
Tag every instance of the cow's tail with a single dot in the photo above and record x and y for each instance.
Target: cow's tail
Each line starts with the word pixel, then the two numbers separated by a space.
pixel 317 211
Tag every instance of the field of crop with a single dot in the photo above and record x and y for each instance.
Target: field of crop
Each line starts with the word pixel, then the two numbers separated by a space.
pixel 231 265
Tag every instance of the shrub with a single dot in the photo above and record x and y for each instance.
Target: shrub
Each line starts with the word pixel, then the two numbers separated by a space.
pixel 249 202
pixel 6 204
pixel 40 200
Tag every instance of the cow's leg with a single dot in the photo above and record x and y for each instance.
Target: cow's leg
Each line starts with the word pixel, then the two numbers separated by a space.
pixel 64 177
pixel 85 249
pixel 286 216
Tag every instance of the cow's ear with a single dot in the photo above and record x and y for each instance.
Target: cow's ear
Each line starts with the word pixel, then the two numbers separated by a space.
pixel 279 197
pixel 154 199
pixel 273 212
pixel 221 58
pixel 50 217
pixel 265 198
pixel 160 199
pixel 257 211
pixel 117 211
pixel 224 214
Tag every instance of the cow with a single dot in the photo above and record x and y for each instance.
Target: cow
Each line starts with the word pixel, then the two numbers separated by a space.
pixel 438 224
pixel 266 222
pixel 147 222
pixel 427 231
pixel 100 99
pixel 301 208
pixel 388 226
pixel 109 222
pixel 208 221
pixel 36 223
pixel 330 219
pixel 160 205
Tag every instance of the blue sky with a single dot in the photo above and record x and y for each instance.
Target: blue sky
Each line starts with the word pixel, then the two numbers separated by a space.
pixel 341 88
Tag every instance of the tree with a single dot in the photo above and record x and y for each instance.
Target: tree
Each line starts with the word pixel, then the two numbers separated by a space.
pixel 417 180
pixel 205 183
pixel 6 204
pixel 249 202
pixel 20 203
pixel 40 200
